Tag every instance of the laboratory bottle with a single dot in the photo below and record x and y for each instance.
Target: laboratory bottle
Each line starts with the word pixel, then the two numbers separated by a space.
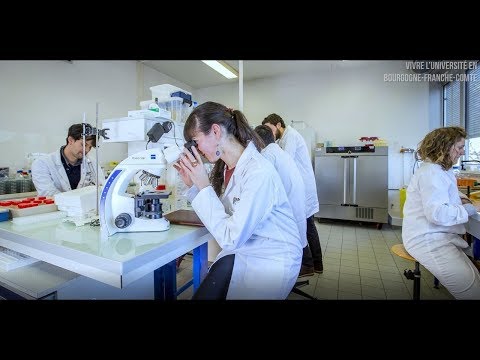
pixel 154 106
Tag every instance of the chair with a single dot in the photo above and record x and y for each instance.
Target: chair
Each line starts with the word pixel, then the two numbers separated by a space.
pixel 296 290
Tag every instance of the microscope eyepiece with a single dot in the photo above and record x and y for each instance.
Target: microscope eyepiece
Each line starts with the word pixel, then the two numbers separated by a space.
pixel 188 145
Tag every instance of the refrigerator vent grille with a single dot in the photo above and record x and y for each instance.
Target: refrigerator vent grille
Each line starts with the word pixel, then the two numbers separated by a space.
pixel 364 213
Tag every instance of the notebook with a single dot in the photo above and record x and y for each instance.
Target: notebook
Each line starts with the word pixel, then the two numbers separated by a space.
pixel 184 217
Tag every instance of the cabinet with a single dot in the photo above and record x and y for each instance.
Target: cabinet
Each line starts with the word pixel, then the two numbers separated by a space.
pixel 352 183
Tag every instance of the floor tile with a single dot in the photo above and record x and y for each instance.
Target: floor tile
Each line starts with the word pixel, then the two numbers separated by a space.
pixel 358 264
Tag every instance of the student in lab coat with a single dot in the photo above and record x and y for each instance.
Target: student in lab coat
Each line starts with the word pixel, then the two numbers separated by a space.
pixel 243 205
pixel 434 214
pixel 64 169
pixel 289 174
pixel 293 143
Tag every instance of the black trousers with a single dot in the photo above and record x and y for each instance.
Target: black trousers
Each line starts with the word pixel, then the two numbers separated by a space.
pixel 312 254
pixel 216 283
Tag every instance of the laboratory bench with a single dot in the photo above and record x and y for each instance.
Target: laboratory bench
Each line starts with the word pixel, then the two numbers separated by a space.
pixel 34 282
pixel 79 262
pixel 18 195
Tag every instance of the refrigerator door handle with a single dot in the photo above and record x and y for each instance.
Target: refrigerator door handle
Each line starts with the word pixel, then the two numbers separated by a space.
pixel 345 182
pixel 354 197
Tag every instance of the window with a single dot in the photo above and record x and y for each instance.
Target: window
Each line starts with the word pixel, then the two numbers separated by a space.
pixel 451 104
pixel 461 107
pixel 472 113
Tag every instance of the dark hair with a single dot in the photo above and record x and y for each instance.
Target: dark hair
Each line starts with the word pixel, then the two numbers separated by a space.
pixel 274 119
pixel 265 133
pixel 76 131
pixel 436 145
pixel 233 121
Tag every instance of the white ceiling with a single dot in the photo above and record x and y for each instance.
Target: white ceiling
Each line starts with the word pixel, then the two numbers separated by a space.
pixel 198 75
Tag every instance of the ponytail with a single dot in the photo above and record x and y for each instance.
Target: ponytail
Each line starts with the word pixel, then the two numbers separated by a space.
pixel 235 124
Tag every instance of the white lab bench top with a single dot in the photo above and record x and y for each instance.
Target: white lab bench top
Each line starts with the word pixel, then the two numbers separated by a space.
pixel 117 260
pixel 473 225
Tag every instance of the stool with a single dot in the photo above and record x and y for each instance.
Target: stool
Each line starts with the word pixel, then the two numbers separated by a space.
pixel 399 250
pixel 295 290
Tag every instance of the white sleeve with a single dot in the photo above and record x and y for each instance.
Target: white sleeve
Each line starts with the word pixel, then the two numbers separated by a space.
pixel 255 202
pixel 290 146
pixel 42 179
pixel 436 202
pixel 191 193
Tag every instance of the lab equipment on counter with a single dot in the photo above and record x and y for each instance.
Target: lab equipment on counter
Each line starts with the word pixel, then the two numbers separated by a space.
pixel 79 204
pixel 4 214
pixel 157 130
pixel 352 183
pixel 188 145
pixel 470 162
pixel 122 212
pixel 28 206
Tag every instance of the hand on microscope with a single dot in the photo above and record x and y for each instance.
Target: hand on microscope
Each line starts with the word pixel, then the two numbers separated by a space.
pixel 183 173
pixel 191 169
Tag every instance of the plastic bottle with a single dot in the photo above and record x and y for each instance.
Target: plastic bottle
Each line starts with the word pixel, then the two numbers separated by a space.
pixel 154 106
pixel 403 198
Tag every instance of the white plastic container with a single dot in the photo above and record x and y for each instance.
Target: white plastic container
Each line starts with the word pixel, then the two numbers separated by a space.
pixel 127 129
pixel 176 107
pixel 165 90
pixel 148 114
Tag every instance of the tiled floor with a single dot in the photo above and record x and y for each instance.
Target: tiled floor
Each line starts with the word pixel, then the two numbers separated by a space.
pixel 358 265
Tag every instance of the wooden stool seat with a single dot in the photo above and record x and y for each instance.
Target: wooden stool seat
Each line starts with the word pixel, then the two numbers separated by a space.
pixel 399 250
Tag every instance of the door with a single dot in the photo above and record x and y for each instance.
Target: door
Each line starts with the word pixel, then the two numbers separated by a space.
pixel 329 176
pixel 371 181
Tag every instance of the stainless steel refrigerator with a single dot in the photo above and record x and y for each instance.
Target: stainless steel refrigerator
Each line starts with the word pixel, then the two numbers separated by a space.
pixel 352 183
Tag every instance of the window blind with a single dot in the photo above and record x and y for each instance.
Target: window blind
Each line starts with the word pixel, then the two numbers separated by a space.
pixel 472 104
pixel 451 104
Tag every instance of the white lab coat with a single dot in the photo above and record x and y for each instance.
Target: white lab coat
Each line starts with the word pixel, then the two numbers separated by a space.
pixel 50 178
pixel 294 144
pixel 433 219
pixel 295 189
pixel 253 220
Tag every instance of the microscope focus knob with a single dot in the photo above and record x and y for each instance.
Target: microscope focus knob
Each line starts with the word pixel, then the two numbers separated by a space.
pixel 123 220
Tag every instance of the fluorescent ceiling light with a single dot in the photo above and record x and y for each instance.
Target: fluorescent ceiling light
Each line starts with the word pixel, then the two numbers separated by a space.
pixel 222 67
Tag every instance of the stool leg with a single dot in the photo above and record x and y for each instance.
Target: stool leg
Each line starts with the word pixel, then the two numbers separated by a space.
pixel 416 282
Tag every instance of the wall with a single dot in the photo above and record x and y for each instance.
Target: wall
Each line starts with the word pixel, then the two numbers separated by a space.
pixel 39 100
pixel 342 105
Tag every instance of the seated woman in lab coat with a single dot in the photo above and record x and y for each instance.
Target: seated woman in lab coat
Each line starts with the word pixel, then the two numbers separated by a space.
pixel 243 205
pixel 434 214
pixel 64 169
